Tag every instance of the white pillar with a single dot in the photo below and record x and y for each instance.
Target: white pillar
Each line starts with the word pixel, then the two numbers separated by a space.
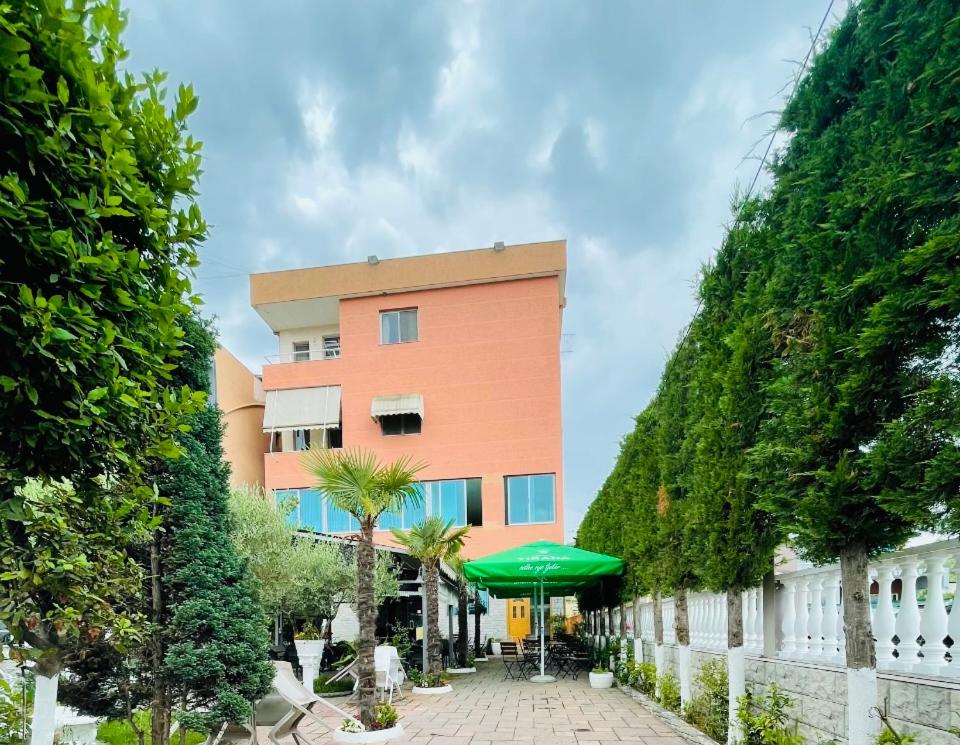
pixel 736 687
pixel 789 620
pixel 831 616
pixel 816 616
pixel 43 723
pixel 953 622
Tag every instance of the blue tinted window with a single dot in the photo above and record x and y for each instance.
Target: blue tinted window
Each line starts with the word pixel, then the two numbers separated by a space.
pixel 518 500
pixel 531 499
pixel 311 510
pixel 449 500
pixel 288 498
pixel 413 513
pixel 541 498
pixel 390 520
pixel 340 521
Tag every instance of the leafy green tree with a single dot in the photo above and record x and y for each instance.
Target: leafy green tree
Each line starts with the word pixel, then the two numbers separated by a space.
pixel 204 656
pixel 99 223
pixel 356 482
pixel 433 541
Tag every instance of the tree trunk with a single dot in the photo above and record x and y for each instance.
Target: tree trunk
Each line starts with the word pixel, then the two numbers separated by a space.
pixel 477 652
pixel 736 674
pixel 367 616
pixel 862 693
pixel 610 624
pixel 462 627
pixel 160 704
pixel 658 638
pixel 47 681
pixel 637 636
pixel 431 579
pixel 623 621
pixel 683 646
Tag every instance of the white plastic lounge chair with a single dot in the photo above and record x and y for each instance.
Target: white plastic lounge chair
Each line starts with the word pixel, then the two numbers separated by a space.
pixel 301 702
pixel 233 734
pixel 389 671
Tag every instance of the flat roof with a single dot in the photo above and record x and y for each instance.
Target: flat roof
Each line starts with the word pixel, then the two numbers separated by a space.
pixel 411 273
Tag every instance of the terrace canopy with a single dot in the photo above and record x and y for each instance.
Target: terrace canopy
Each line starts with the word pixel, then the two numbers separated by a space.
pixel 551 568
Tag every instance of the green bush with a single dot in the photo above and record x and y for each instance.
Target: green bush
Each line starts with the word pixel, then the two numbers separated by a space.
pixel 322 685
pixel 768 726
pixel 709 710
pixel 669 692
pixel 15 710
pixel 644 678
pixel 386 717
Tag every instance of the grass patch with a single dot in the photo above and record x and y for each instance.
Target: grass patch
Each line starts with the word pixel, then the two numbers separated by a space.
pixel 323 686
pixel 119 732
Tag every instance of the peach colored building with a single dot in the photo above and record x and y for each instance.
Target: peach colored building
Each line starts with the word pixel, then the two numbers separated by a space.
pixel 452 359
pixel 238 393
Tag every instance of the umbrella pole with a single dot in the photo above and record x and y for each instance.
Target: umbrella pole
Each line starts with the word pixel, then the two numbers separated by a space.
pixel 542 677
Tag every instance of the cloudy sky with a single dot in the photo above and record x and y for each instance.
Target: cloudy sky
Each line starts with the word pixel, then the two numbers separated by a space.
pixel 333 130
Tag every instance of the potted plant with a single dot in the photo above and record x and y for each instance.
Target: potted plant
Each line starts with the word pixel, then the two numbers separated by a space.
pixel 385 726
pixel 309 643
pixel 429 684
pixel 495 647
pixel 470 667
pixel 600 677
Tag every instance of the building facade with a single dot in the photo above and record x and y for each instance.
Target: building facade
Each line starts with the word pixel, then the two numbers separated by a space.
pixel 450 359
pixel 238 393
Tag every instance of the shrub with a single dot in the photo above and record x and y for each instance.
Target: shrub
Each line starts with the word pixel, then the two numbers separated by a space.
pixel 386 717
pixel 119 731
pixel 625 672
pixel 428 680
pixel 708 710
pixel 645 678
pixel 669 692
pixel 769 725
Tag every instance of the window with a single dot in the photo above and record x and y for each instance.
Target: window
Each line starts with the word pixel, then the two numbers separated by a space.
pixel 312 511
pixel 335 437
pixel 530 499
pixel 301 439
pixel 400 424
pixel 398 326
pixel 452 499
pixel 301 351
pixel 331 347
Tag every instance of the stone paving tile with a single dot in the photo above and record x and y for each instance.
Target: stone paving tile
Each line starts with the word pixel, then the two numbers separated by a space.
pixel 486 710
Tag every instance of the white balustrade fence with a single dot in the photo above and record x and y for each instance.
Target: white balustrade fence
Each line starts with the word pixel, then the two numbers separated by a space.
pixel 914 622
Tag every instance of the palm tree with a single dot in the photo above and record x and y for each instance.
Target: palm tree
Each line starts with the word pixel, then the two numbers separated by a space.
pixel 356 482
pixel 457 565
pixel 432 541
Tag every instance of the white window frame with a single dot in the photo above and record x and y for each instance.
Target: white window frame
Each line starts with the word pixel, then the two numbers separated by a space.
pixel 296 352
pixel 397 312
pixel 528 476
pixel 428 487
pixel 330 352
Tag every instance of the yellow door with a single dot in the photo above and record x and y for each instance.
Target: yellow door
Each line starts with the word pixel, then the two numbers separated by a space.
pixel 518 618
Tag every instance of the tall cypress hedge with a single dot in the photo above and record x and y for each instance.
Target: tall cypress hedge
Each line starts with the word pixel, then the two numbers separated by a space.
pixel 823 399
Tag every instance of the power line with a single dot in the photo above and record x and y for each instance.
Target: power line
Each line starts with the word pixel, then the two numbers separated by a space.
pixel 766 152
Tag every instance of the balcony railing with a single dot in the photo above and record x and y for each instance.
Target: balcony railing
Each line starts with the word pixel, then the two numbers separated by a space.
pixel 331 353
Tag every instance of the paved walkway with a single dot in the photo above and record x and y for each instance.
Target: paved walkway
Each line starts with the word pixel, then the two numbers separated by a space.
pixel 484 709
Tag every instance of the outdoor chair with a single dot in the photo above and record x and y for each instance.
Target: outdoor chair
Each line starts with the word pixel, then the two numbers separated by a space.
pixel 513 661
pixel 301 704
pixel 390 675
pixel 233 734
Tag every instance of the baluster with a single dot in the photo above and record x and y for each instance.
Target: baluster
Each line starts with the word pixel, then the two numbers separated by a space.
pixel 696 628
pixel 933 620
pixel 884 617
pixel 714 622
pixel 815 621
pixel 803 618
pixel 840 630
pixel 746 597
pixel 908 619
pixel 722 626
pixel 788 623
pixel 758 620
pixel 753 601
pixel 953 621
pixel 831 608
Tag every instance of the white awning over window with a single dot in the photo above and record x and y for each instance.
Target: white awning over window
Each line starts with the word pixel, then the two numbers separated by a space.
pixel 396 404
pixel 302 408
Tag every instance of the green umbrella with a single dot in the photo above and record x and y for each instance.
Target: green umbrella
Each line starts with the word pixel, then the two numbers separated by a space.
pixel 544 566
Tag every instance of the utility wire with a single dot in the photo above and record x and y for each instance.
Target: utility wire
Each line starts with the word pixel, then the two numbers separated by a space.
pixel 766 152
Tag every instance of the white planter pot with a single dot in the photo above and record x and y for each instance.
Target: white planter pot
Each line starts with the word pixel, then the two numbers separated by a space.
pixel 435 691
pixel 601 680
pixel 461 670
pixel 379 735
pixel 495 646
pixel 309 652
pixel 480 659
